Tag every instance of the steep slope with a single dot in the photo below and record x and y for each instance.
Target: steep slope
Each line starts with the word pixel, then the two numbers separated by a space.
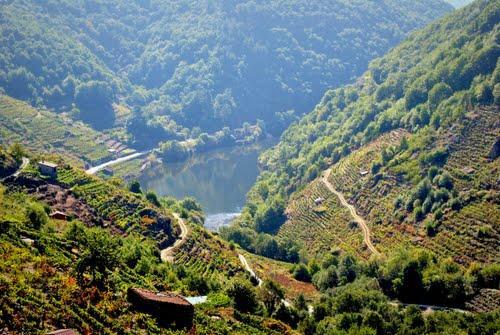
pixel 205 64
pixel 441 87
pixel 75 272
pixel 45 131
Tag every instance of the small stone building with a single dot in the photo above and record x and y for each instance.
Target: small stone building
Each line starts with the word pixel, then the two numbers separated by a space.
pixel 57 215
pixel 168 308
pixel 47 168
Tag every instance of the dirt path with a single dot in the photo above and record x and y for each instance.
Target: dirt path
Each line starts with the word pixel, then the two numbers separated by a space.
pixel 24 164
pixel 20 169
pixel 352 210
pixel 247 267
pixel 98 168
pixel 167 254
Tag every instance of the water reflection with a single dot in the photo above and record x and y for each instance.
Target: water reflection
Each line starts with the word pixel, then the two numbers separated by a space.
pixel 219 180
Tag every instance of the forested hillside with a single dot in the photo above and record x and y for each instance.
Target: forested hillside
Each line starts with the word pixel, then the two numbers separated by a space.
pixel 186 64
pixel 438 95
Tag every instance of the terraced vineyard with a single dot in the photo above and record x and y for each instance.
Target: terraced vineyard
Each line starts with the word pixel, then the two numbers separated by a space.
pixel 279 272
pixel 321 227
pixel 206 254
pixel 329 224
pixel 44 131
pixel 485 300
pixel 469 235
pixel 471 143
pixel 353 177
pixel 109 204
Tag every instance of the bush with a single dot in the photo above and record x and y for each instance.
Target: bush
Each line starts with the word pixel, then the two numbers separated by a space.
pixel 326 278
pixel 135 187
pixel 445 181
pixel 243 296
pixel 36 215
pixel 302 273
pixel 431 228
pixel 153 198
pixel 418 214
pixel 190 204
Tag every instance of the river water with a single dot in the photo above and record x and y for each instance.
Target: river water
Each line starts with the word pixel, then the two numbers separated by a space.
pixel 219 180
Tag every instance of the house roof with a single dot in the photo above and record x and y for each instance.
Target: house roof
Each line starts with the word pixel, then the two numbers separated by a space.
pixel 58 213
pixel 165 297
pixel 63 332
pixel 49 164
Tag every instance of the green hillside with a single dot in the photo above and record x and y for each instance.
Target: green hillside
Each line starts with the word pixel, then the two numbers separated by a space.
pixel 186 64
pixel 440 85
pixel 44 131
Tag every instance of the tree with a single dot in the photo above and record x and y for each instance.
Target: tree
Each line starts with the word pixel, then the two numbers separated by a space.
pixel 271 295
pixel 326 278
pixel 36 215
pixel 301 273
pixel 190 204
pixel 135 187
pixel 243 296
pixel 270 216
pixel 347 271
pixel 445 181
pixel 153 198
pixel 17 151
pixel 94 99
pixel 438 93
pixel 101 256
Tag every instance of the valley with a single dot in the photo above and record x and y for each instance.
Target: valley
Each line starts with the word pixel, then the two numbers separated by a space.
pixel 262 167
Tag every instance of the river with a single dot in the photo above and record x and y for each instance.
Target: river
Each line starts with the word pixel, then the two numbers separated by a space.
pixel 219 180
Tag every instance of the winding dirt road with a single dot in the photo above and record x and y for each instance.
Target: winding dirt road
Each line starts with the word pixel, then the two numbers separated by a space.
pixel 352 210
pixel 98 168
pixel 247 267
pixel 167 254
pixel 24 164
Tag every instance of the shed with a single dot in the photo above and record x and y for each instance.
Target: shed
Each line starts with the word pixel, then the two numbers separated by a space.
pixel 47 168
pixel 319 201
pixel 108 171
pixel 468 170
pixel 363 172
pixel 57 215
pixel 164 306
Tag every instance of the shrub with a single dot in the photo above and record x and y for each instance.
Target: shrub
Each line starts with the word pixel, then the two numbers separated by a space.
pixel 423 189
pixel 376 167
pixel 36 215
pixel 427 205
pixel 153 198
pixel 302 273
pixel 433 172
pixel 456 204
pixel 135 187
pixel 445 181
pixel 326 278
pixel 243 296
pixel 398 202
pixel 191 204
pixel 438 215
pixel 418 214
pixel 431 228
